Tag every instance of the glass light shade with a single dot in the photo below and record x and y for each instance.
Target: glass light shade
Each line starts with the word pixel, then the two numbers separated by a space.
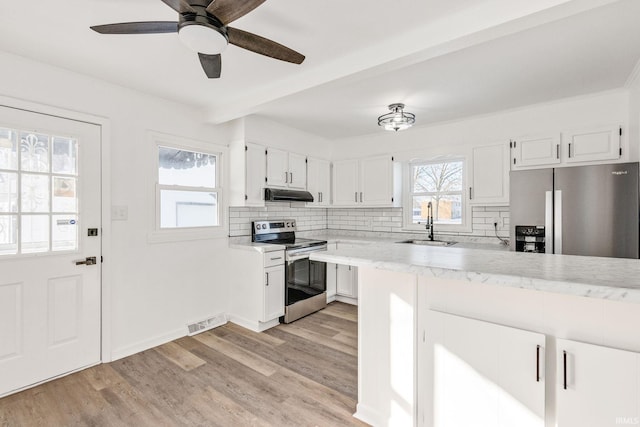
pixel 397 119
pixel 202 39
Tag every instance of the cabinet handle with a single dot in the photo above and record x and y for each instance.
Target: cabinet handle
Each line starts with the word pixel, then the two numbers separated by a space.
pixel 320 196
pixel 356 193
pixel 291 177
pixel 537 363
pixel 470 193
pixel 557 151
pixel 267 279
pixel 564 369
pixel 361 197
pixel 276 258
pixel 569 150
pixel 286 177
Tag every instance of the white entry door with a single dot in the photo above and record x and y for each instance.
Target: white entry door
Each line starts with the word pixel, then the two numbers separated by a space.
pixel 49 221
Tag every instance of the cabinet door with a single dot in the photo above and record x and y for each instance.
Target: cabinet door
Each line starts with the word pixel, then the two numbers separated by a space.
pixel 592 144
pixel 536 151
pixel 489 370
pixel 376 181
pixel 297 171
pixel 346 281
pixel 273 298
pixel 332 270
pixel 345 183
pixel 277 171
pixel 319 181
pixel 490 183
pixel 601 387
pixel 255 171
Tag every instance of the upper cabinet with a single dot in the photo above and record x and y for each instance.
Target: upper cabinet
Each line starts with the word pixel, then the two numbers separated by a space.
pixel 490 175
pixel 364 182
pixel 248 169
pixel 538 150
pixel 593 144
pixel 584 145
pixel 319 181
pixel 286 170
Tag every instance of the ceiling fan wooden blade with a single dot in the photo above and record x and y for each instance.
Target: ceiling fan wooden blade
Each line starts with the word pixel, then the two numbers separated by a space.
pixel 179 6
pixel 211 64
pixel 263 46
pixel 228 11
pixel 153 27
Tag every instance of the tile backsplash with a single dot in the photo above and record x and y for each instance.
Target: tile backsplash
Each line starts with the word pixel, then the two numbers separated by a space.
pixel 307 219
pixel 357 219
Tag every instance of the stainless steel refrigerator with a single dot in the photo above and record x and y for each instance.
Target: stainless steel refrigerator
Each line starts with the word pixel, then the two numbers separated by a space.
pixel 582 210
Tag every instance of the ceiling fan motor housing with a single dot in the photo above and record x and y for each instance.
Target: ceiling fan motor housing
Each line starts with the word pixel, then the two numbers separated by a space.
pixel 202 32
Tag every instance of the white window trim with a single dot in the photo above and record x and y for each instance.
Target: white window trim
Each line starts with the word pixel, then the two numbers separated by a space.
pixel 465 226
pixel 163 235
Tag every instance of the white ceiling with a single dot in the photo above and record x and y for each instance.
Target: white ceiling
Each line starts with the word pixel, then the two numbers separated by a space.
pixel 444 59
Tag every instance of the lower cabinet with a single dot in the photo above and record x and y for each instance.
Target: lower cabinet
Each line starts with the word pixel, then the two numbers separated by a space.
pixel 597 386
pixel 257 288
pixel 347 281
pixel 483 374
pixel 273 293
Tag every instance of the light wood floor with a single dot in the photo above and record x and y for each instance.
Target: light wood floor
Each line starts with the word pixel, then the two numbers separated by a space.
pixel 300 374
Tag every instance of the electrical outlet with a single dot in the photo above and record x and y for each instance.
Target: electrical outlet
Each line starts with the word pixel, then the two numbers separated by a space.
pixel 497 221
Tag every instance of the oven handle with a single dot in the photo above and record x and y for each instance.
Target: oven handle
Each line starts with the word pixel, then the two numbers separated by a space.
pixel 294 258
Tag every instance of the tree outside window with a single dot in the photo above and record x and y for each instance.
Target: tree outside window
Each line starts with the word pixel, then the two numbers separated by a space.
pixel 440 183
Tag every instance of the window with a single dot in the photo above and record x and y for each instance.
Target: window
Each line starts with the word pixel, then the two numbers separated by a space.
pixel 441 184
pixel 38 198
pixel 188 188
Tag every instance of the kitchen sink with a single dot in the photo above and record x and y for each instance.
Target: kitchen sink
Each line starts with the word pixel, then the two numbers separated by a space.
pixel 427 242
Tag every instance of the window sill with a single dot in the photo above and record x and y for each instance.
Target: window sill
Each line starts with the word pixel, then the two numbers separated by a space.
pixel 183 235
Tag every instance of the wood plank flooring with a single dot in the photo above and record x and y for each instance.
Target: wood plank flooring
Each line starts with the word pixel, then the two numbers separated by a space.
pixel 300 374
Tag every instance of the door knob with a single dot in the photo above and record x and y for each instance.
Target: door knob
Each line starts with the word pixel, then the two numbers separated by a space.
pixel 90 260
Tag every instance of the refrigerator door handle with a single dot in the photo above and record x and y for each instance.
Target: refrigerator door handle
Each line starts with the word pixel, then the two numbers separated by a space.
pixel 548 221
pixel 557 221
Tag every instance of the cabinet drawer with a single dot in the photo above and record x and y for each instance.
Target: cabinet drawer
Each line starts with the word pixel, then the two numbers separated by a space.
pixel 273 258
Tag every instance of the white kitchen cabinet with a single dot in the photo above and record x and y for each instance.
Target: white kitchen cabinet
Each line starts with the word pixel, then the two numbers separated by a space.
pixel 540 150
pixel 273 299
pixel 482 374
pixel 257 288
pixel 364 182
pixel 593 144
pixel 248 168
pixel 286 170
pixel 319 181
pixel 596 386
pixel 490 169
pixel 347 281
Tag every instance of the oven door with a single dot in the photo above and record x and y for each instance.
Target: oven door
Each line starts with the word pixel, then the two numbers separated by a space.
pixel 304 278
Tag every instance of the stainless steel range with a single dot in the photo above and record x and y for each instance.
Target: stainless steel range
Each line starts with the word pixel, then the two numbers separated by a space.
pixel 305 280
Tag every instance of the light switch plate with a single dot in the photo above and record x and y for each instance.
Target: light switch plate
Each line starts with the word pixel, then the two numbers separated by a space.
pixel 119 213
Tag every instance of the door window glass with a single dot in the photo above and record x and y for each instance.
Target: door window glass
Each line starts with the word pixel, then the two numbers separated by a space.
pixel 38 192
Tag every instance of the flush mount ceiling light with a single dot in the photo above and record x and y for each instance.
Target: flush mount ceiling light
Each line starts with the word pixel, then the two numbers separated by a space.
pixel 397 119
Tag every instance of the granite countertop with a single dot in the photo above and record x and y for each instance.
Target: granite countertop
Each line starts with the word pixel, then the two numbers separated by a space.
pixel 606 278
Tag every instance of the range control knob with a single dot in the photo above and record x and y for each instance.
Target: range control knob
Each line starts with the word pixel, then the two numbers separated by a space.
pixel 293 224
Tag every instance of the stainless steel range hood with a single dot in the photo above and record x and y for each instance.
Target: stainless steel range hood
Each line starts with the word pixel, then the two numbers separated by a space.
pixel 281 195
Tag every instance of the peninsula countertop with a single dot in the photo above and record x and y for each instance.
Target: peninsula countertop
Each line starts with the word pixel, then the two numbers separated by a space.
pixel 595 277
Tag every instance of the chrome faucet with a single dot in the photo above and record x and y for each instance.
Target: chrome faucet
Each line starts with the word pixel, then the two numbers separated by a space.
pixel 429 225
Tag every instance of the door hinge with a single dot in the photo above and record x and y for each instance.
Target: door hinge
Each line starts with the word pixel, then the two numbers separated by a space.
pixel 510 144
pixel 621 151
pixel 246 148
pixel 246 197
pixel 266 151
pixel 392 158
pixel 620 131
pixel 101 259
pixel 306 160
pixel 392 200
pixel 265 179
pixel 514 160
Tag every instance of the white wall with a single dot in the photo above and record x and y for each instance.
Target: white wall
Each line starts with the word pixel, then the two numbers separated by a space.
pixel 156 288
pixel 596 109
pixel 634 112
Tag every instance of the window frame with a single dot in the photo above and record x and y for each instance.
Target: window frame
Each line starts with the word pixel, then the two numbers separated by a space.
pixel 158 234
pixel 408 194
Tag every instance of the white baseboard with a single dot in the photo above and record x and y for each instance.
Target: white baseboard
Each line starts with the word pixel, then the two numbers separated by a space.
pixel 253 325
pixel 368 415
pixel 148 343
pixel 347 300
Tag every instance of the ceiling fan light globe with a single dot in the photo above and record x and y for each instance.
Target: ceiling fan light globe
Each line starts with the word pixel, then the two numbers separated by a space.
pixel 203 39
